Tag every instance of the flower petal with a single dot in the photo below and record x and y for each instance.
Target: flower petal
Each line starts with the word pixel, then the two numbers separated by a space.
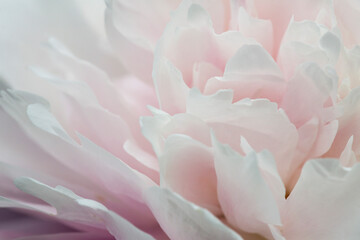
pixel 251 73
pixel 16 225
pixel 324 196
pixel 347 13
pixel 259 29
pixel 347 157
pixel 245 118
pixel 170 87
pixel 22 45
pixel 69 236
pixel 187 168
pixel 246 199
pixel 348 125
pixel 72 207
pixel 158 127
pixel 183 220
pixel 106 170
pixel 188 41
pixel 308 41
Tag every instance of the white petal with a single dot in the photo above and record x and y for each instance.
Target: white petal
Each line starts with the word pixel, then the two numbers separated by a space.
pixel 307 41
pixel 348 125
pixel 245 197
pixel 249 59
pixel 347 157
pixel 72 207
pixel 323 204
pixel 347 13
pixel 182 220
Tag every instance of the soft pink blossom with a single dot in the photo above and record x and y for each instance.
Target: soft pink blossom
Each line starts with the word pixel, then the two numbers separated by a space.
pixel 193 119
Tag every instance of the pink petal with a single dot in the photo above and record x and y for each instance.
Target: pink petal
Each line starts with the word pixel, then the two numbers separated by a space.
pixel 257 76
pixel 245 197
pixel 188 42
pixel 43 130
pixel 246 118
pixel 311 81
pixel 170 88
pixel 259 29
pixel 187 168
pixel 158 127
pixel 280 13
pixel 111 136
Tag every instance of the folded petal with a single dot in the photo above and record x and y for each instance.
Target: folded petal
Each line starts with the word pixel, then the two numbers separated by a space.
pixel 281 12
pixel 103 170
pixel 251 73
pixel 259 29
pixel 170 87
pixel 348 125
pixel 245 118
pixel 159 127
pixel 183 220
pixel 318 85
pixel 195 52
pixel 308 41
pixel 324 196
pixel 187 167
pixel 108 131
pixel 72 207
pixel 245 197
pixel 347 157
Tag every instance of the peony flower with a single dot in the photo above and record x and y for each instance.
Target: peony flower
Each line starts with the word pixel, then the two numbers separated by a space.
pixel 180 120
